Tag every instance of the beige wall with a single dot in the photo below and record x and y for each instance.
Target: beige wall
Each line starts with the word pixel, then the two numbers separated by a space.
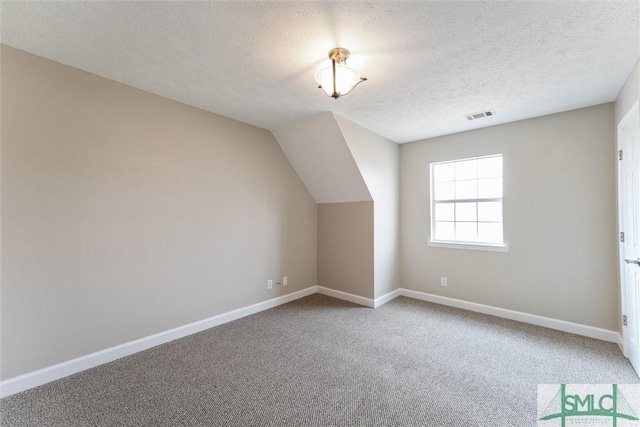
pixel 125 214
pixel 345 247
pixel 378 160
pixel 341 162
pixel 559 219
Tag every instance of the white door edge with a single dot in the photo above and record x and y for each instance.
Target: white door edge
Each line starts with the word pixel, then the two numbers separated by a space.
pixel 631 114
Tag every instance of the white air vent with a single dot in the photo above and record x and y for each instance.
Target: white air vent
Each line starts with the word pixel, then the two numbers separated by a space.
pixel 480 115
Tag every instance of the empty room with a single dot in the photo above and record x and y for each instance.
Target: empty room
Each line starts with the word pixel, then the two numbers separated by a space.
pixel 310 213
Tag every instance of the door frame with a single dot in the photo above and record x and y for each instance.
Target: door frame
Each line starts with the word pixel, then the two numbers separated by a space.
pixel 633 112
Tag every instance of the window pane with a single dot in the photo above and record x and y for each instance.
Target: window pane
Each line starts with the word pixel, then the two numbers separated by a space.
pixel 490 232
pixel 443 190
pixel 443 172
pixel 490 188
pixel 466 211
pixel 490 211
pixel 467 189
pixel 467 169
pixel 466 231
pixel 490 167
pixel 444 231
pixel 444 211
pixel 458 214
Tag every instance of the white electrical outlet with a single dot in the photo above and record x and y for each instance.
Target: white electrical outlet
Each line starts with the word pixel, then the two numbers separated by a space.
pixel 443 281
pixel 269 284
pixel 284 281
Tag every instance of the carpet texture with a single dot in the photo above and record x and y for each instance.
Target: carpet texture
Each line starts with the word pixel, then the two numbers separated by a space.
pixel 319 361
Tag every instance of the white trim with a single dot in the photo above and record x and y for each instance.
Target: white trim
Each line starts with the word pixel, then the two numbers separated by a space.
pixel 469 246
pixel 346 296
pixel 386 298
pixel 61 370
pixel 432 202
pixel 52 373
pixel 620 343
pixel 560 325
pixel 633 112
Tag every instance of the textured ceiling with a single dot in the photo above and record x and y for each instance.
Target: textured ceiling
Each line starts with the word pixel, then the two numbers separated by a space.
pixel 428 63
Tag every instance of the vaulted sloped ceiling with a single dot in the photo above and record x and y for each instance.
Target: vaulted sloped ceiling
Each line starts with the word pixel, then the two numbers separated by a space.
pixel 320 155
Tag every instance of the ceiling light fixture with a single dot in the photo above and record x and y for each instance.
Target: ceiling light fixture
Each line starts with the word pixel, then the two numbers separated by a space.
pixel 338 80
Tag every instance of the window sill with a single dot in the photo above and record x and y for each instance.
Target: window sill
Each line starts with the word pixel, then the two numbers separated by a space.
pixel 468 246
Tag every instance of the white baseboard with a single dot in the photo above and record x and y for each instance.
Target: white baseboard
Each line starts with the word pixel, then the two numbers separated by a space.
pixel 386 298
pixel 52 373
pixel 620 343
pixel 560 325
pixel 346 296
pixel 61 370
pixel 357 299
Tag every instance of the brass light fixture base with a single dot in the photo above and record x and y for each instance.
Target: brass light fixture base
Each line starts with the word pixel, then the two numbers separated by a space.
pixel 339 54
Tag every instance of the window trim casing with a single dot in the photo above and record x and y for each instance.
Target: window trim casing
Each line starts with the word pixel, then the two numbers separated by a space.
pixel 455 244
pixel 470 246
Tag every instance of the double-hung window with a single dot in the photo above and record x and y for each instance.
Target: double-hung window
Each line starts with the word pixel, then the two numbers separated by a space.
pixel 466 203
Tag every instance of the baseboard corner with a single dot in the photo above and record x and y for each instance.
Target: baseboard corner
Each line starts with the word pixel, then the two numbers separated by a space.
pixel 380 301
pixel 620 342
pixel 346 296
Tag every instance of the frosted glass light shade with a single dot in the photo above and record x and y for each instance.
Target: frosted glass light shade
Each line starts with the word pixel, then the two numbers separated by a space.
pixel 346 79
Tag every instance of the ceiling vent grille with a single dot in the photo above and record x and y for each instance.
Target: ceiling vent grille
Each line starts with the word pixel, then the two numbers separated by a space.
pixel 476 116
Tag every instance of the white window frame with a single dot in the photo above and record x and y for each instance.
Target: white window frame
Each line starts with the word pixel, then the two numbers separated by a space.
pixel 455 244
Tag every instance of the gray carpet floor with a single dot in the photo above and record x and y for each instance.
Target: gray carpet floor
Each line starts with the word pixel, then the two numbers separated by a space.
pixel 319 361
